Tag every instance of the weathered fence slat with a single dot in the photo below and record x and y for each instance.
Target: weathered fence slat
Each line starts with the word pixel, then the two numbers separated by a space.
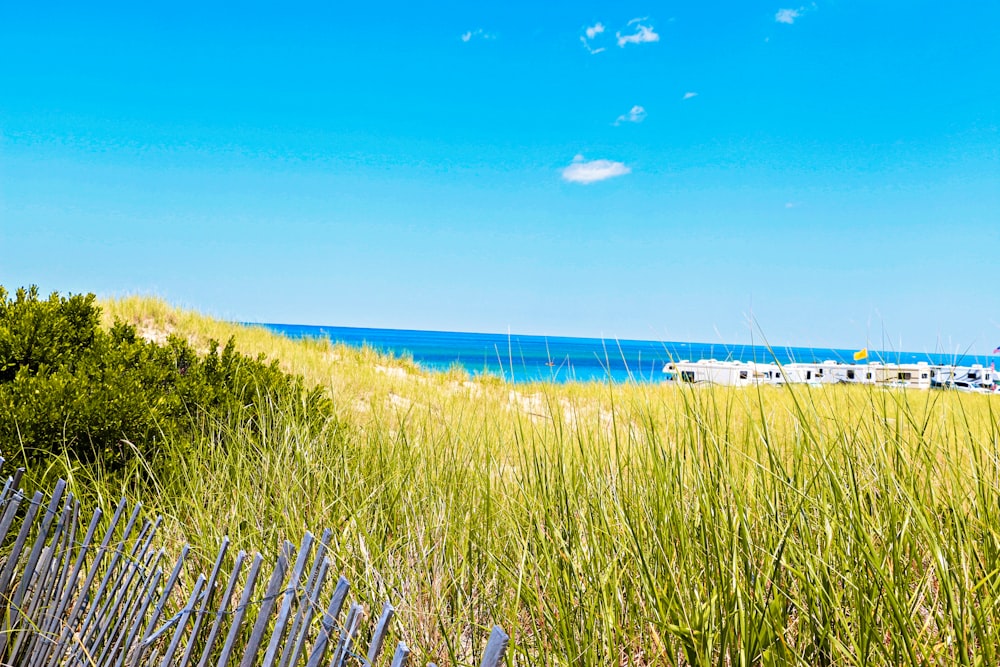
pixel 209 589
pixel 15 604
pixel 289 597
pixel 127 620
pixel 223 609
pixel 400 657
pixel 69 602
pixel 8 516
pixel 13 484
pixel 346 640
pixel 496 648
pixel 57 567
pixel 95 566
pixel 378 637
pixel 22 537
pixel 67 593
pixel 41 596
pixel 158 608
pixel 241 610
pixel 109 573
pixel 110 618
pixel 182 620
pixel 266 606
pixel 133 632
pixel 44 588
pixel 329 622
pixel 300 627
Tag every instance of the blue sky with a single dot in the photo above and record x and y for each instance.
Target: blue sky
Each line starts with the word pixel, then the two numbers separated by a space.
pixel 633 169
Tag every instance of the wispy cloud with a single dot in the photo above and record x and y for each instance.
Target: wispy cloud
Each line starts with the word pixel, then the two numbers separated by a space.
pixel 791 204
pixel 594 30
pixel 479 33
pixel 636 114
pixel 643 33
pixel 591 171
pixel 788 16
pixel 689 95
pixel 589 34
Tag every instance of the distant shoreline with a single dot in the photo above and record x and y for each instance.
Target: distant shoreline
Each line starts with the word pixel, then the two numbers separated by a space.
pixel 534 358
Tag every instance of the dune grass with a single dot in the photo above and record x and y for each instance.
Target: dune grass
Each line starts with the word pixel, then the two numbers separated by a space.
pixel 601 525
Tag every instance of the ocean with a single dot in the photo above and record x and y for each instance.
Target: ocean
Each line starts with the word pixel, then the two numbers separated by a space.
pixel 521 358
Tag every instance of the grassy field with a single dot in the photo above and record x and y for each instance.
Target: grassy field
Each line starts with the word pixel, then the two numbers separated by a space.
pixel 610 525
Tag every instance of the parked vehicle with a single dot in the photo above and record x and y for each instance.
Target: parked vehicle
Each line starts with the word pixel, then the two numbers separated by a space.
pixel 920 375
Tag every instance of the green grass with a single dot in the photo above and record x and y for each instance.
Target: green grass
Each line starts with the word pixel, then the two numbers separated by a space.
pixel 611 525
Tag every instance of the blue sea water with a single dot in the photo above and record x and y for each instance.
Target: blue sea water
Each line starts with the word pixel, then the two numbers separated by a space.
pixel 522 358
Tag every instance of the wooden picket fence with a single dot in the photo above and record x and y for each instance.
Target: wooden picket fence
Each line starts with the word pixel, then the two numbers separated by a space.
pixel 67 600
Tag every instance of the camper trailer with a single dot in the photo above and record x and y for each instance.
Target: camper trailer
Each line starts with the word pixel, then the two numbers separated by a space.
pixel 727 373
pixel 827 372
pixel 907 376
pixel 920 375
pixel 856 373
pixel 975 378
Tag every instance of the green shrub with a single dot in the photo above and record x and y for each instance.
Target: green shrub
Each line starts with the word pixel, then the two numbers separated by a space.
pixel 67 387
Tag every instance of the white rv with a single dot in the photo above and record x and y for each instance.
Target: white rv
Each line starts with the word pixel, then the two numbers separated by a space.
pixel 827 372
pixel 975 378
pixel 728 373
pixel 909 376
pixel 857 373
pixel 912 376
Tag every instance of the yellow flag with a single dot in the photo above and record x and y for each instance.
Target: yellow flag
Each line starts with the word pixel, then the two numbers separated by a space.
pixel 861 354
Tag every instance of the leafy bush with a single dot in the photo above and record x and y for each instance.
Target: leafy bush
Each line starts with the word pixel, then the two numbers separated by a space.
pixel 67 387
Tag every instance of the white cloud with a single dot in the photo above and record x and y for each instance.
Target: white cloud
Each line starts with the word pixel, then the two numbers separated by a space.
pixel 643 34
pixel 689 95
pixel 594 30
pixel 636 114
pixel 788 15
pixel 790 204
pixel 589 34
pixel 592 171
pixel 479 32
